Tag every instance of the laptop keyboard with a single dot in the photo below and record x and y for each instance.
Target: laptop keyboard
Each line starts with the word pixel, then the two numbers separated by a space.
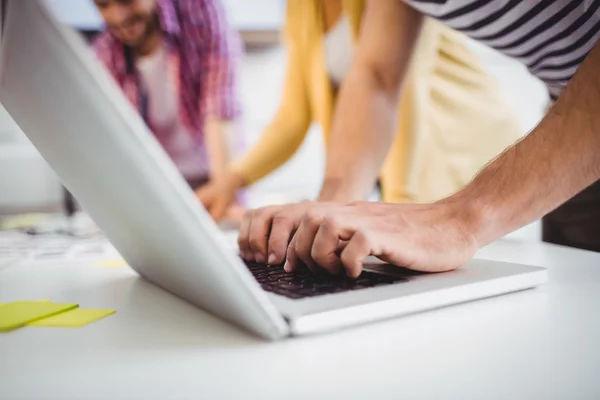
pixel 303 283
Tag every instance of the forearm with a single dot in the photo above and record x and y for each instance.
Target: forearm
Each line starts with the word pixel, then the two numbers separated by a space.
pixel 559 158
pixel 363 129
pixel 220 145
pixel 363 134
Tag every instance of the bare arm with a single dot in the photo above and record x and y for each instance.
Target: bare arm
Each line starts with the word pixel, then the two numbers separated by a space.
pixel 279 140
pixel 363 129
pixel 559 158
pixel 220 145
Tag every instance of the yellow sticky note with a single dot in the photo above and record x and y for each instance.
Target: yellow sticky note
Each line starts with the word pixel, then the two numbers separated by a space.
pixel 44 300
pixel 19 313
pixel 74 318
pixel 112 264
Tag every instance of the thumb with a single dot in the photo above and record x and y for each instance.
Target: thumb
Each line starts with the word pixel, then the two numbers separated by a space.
pixel 205 195
pixel 218 209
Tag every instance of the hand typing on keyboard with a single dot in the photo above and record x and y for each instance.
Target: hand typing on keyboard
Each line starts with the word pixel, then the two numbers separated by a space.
pixel 429 237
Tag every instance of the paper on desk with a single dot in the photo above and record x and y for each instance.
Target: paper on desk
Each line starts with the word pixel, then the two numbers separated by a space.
pixel 73 318
pixel 19 247
pixel 22 221
pixel 19 313
pixel 120 263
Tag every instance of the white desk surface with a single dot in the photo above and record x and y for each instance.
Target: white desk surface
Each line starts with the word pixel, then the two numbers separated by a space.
pixel 537 344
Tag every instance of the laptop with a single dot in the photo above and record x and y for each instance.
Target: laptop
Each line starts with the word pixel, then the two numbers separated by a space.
pixel 85 128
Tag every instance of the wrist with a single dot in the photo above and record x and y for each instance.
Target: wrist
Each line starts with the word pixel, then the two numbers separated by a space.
pixel 337 190
pixel 235 179
pixel 477 217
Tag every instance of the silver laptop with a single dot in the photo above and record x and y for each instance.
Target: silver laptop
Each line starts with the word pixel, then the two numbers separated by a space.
pixel 78 119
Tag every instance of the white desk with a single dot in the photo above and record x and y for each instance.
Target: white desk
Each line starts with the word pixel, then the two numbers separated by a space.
pixel 538 344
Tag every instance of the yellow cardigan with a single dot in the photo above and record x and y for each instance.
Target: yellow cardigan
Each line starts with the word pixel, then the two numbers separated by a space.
pixel 452 117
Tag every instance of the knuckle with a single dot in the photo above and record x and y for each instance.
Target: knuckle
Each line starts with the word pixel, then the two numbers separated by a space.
pixel 305 203
pixel 302 253
pixel 277 245
pixel 255 242
pixel 260 213
pixel 249 215
pixel 281 218
pixel 290 252
pixel 345 257
pixel 295 246
pixel 322 259
pixel 314 216
pixel 265 212
pixel 362 237
pixel 330 223
pixel 357 203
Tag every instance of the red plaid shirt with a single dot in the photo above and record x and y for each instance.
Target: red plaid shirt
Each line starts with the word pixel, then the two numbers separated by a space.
pixel 206 52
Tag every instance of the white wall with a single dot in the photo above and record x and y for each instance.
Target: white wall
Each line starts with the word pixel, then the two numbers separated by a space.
pixel 244 14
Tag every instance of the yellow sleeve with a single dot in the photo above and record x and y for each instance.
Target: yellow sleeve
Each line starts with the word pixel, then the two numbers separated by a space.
pixel 286 132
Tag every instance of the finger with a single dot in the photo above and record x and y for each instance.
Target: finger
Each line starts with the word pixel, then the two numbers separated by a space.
pixel 260 226
pixel 204 194
pixel 218 209
pixel 305 235
pixel 283 226
pixel 329 240
pixel 291 261
pixel 244 237
pixel 352 256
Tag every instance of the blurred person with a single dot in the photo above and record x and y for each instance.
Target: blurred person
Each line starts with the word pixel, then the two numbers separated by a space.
pixel 177 62
pixel 451 118
pixel 553 172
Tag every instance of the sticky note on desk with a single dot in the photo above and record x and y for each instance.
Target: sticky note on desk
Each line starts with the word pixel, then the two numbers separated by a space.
pixel 73 318
pixel 19 313
pixel 44 300
pixel 112 264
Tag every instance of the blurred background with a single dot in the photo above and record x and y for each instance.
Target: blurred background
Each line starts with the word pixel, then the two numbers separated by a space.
pixel 27 184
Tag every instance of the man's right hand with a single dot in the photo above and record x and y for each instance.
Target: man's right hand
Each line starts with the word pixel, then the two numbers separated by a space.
pixel 265 232
pixel 337 238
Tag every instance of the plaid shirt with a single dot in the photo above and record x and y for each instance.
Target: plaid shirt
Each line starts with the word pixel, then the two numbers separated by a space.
pixel 206 52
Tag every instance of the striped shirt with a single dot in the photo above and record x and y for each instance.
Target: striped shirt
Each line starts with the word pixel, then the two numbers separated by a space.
pixel 550 37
